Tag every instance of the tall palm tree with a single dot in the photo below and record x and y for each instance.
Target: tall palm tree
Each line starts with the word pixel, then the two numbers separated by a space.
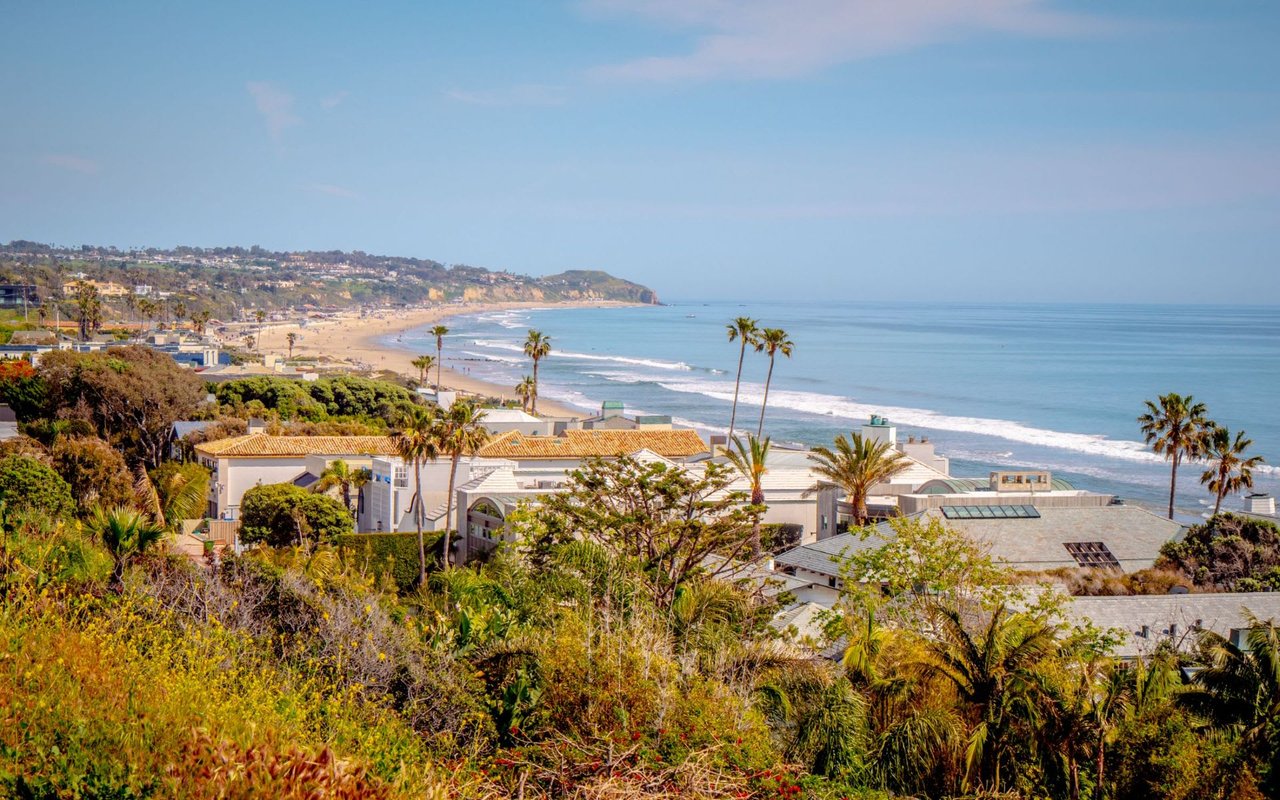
pixel 855 465
pixel 537 346
pixel 526 390
pixel 439 331
pixel 771 341
pixel 126 533
pixel 742 330
pixel 749 460
pixel 1229 471
pixel 292 338
pixel 341 475
pixel 418 440
pixel 360 479
pixel 261 317
pixel 462 433
pixel 424 363
pixel 1175 427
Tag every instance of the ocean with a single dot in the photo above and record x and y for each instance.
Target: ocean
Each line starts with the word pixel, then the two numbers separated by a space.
pixel 1055 387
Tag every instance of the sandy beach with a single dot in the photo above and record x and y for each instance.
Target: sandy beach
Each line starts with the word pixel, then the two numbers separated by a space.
pixel 355 342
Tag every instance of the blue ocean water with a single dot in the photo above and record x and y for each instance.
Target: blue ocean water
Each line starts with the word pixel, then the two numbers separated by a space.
pixel 993 386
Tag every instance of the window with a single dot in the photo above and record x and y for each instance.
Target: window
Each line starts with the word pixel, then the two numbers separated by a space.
pixel 401 478
pixel 824 522
pixel 1092 555
pixel 990 512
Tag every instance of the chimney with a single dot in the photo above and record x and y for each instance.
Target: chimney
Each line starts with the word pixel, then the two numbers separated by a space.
pixel 1260 503
pixel 879 429
pixel 257 425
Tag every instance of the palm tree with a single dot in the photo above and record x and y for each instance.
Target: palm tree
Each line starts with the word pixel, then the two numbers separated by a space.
pixel 341 475
pixel 261 317
pixel 249 342
pixel 200 319
pixel 416 441
pixel 1175 428
pixel 744 330
pixel 749 461
pixel 172 498
pixel 1239 688
pixel 462 432
pixel 537 347
pixel 439 331
pixel 424 363
pixel 771 341
pixel 526 390
pixel 126 533
pixel 1229 471
pixel 855 465
pixel 360 479
pixel 292 338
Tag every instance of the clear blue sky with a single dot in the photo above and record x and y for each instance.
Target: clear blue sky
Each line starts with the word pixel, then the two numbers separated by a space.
pixel 968 149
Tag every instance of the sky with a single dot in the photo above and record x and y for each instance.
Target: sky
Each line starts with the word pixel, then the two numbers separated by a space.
pixel 968 150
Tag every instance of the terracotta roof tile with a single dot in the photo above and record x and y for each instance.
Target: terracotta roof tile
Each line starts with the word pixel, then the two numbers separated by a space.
pixel 262 444
pixel 586 444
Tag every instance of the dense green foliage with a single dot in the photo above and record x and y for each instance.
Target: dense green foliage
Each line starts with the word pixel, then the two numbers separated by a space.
pixel 1228 553
pixel 281 514
pixel 28 484
pixel 342 396
pixel 392 556
pixel 94 469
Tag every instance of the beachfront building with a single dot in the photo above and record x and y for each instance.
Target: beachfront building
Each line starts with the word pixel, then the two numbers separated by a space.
pixel 239 463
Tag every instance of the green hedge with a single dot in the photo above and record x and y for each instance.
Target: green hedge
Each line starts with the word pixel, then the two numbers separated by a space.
pixel 394 554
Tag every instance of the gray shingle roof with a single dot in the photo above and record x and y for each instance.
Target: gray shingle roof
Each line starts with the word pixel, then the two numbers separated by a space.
pixel 1172 617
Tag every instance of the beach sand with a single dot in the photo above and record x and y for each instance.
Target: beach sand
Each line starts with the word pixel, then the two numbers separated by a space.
pixel 354 342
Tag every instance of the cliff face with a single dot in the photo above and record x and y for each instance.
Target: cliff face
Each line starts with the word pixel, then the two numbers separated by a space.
pixel 583 284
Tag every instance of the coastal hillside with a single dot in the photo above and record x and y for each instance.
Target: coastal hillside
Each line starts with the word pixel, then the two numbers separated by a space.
pixel 223 280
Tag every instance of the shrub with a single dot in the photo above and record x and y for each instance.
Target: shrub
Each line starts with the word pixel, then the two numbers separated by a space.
pixel 1227 553
pixel 280 514
pixel 27 484
pixel 94 469
pixel 393 555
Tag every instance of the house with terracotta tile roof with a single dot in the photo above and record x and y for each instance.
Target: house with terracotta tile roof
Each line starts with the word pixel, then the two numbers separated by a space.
pixel 239 463
pixel 573 446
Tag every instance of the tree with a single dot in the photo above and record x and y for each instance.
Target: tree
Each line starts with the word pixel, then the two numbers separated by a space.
pixel 282 514
pixel 1175 427
pixel 291 338
pixel 88 308
pixel 95 471
pixel 423 363
pixel 131 395
pixel 526 390
pixel 1229 471
pixel 173 492
pixel 664 521
pixel 23 390
pixel 200 319
pixel 750 462
pixel 126 533
pixel 250 342
pixel 744 330
pixel 1227 553
pixel 462 432
pixel 856 465
pixel 536 346
pixel 27 484
pixel 260 317
pixel 339 474
pixel 772 341
pixel 439 331
pixel 418 440
pixel 148 309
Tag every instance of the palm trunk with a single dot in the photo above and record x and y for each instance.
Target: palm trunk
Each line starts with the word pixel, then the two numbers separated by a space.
pixel 439 362
pixel 765 403
pixel 448 511
pixel 733 415
pixel 1102 764
pixel 1173 482
pixel 417 516
pixel 1217 506
pixel 535 387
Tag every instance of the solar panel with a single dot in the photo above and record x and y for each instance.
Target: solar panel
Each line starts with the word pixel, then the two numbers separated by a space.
pixel 1093 555
pixel 990 512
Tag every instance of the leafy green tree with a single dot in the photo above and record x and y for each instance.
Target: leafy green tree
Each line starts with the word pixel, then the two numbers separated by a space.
pixel 95 471
pixel 750 461
pixel 461 432
pixel 1227 553
pixel 418 440
pixel 282 514
pixel 664 521
pixel 27 484
pixel 771 341
pixel 126 533
pixel 856 465
pixel 1228 470
pixel 1175 427
pixel 439 331
pixel 23 390
pixel 743 330
pixel 131 395
pixel 537 346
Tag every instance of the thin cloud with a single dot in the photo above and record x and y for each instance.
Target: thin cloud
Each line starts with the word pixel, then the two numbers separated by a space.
pixel 523 95
pixel 276 107
pixel 334 100
pixel 776 40
pixel 333 190
pixel 84 166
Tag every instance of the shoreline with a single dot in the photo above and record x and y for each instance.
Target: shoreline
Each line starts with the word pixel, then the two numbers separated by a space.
pixel 358 343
